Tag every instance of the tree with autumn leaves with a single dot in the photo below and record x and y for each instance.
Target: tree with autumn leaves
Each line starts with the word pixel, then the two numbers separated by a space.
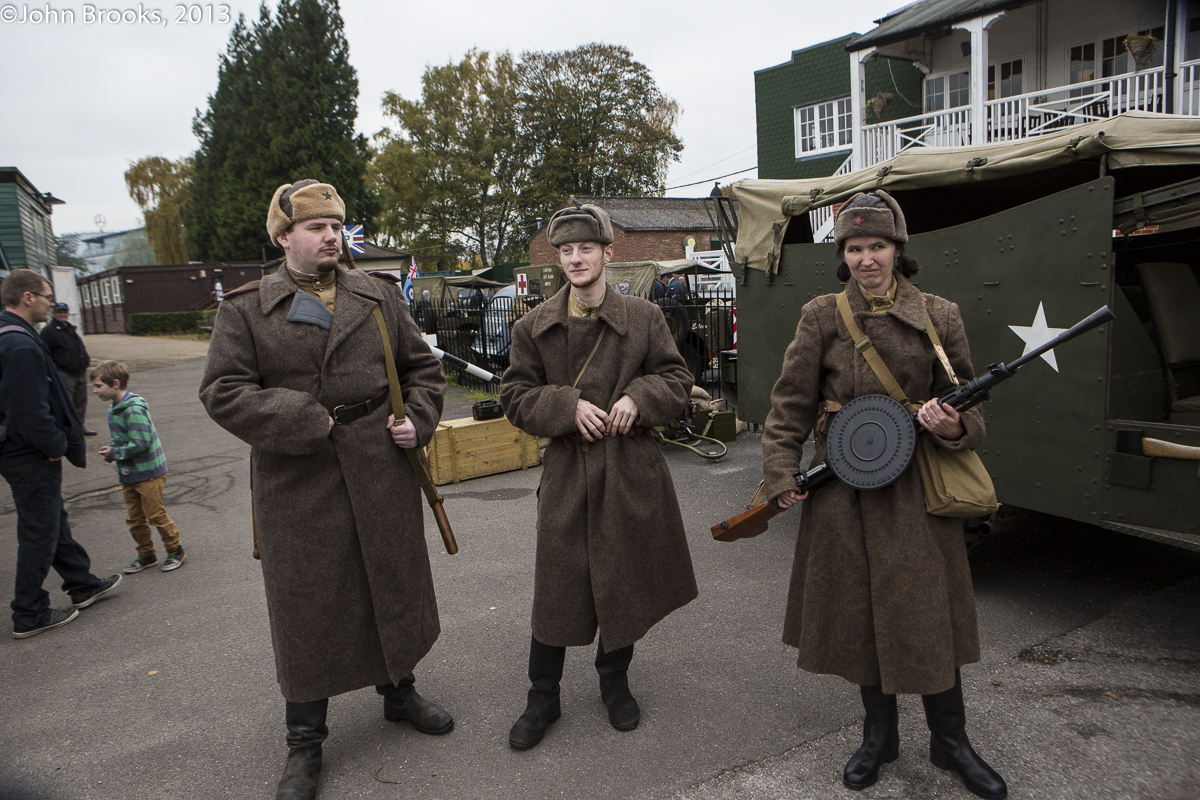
pixel 492 144
pixel 495 144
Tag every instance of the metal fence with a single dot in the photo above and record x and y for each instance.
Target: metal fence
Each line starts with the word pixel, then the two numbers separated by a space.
pixel 702 326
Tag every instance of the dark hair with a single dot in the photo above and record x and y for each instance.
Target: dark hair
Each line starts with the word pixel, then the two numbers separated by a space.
pixel 905 264
pixel 20 281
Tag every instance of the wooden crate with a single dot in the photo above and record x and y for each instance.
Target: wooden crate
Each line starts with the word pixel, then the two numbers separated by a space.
pixel 467 448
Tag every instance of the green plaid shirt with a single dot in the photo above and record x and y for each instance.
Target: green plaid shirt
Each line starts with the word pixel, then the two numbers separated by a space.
pixel 135 445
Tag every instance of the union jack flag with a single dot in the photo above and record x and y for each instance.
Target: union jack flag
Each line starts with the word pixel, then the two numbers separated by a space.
pixel 354 237
pixel 408 280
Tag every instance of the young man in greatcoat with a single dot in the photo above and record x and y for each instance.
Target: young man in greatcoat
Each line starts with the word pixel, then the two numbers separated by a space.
pixel 595 370
pixel 296 370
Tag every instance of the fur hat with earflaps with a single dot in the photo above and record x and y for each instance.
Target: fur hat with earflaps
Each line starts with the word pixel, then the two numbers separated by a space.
pixel 302 200
pixel 586 223
pixel 871 214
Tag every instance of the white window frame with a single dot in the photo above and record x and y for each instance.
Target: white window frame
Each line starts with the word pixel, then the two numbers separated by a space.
pixel 105 294
pixel 995 68
pixel 1098 42
pixel 95 290
pixel 831 119
pixel 116 291
pixel 945 93
pixel 85 297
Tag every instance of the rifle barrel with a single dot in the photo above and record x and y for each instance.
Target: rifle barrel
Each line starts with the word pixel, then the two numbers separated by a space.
pixel 1096 318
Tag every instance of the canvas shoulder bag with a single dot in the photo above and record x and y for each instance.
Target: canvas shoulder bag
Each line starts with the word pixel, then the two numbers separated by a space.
pixel 955 483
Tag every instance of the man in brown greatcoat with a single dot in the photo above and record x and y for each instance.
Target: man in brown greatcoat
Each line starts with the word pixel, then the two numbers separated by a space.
pixel 595 369
pixel 296 369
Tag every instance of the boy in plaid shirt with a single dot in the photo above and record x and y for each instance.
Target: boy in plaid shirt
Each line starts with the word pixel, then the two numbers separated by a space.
pixel 142 466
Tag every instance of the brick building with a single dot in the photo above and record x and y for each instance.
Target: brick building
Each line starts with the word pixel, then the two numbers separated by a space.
pixel 644 229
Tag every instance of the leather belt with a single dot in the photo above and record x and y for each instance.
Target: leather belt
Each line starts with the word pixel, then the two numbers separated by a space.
pixel 571 439
pixel 343 414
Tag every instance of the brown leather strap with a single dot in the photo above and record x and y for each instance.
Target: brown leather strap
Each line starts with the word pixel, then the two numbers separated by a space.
pixel 863 344
pixel 595 347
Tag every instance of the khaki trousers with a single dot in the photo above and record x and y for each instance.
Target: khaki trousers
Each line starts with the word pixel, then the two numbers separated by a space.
pixel 143 508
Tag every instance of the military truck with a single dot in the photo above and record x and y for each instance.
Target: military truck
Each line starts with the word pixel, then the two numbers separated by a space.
pixel 1027 237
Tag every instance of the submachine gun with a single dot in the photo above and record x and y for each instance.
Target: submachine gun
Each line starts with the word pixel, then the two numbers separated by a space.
pixel 873 438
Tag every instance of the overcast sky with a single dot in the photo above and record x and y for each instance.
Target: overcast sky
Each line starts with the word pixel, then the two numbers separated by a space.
pixel 82 100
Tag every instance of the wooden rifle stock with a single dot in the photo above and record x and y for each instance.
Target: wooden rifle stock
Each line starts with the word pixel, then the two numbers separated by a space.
pixel 749 523
pixel 416 457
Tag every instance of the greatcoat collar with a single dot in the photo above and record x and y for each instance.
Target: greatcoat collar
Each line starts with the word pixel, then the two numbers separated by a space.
pixel 909 307
pixel 358 295
pixel 554 311
pixel 279 285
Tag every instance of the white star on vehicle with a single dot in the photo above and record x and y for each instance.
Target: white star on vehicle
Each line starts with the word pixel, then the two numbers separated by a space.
pixel 1038 334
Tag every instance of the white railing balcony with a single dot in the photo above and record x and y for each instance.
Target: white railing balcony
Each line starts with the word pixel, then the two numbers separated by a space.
pixel 1034 113
pixel 1189 88
pixel 950 128
pixel 821 219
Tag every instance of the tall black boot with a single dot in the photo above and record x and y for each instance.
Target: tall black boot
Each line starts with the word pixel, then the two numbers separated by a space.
pixel 881 739
pixel 542 706
pixel 305 732
pixel 401 703
pixel 949 747
pixel 613 667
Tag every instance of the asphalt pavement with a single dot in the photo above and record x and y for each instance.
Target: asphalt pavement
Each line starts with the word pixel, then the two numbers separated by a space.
pixel 1089 684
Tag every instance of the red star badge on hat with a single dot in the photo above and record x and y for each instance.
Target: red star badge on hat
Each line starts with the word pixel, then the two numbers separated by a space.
pixel 858 220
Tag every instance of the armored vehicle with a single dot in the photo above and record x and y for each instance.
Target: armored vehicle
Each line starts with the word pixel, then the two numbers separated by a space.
pixel 1028 238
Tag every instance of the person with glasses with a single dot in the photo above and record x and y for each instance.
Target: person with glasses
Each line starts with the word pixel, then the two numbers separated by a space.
pixel 38 427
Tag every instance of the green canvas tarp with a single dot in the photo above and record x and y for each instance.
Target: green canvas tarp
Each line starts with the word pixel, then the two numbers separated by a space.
pixel 1134 139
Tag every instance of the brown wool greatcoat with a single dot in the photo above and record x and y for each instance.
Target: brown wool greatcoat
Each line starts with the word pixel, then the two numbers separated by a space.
pixel 339 514
pixel 880 590
pixel 611 548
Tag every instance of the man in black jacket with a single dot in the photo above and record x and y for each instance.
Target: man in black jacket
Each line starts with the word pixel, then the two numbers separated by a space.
pixel 40 427
pixel 72 359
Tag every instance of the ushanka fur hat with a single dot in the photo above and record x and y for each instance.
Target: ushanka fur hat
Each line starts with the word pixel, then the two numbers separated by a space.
pixel 871 214
pixel 296 202
pixel 586 223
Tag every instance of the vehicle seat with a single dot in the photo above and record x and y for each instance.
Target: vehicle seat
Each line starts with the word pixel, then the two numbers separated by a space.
pixel 1174 297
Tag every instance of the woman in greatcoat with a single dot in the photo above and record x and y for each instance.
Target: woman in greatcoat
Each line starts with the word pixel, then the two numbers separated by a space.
pixel 296 370
pixel 880 591
pixel 595 370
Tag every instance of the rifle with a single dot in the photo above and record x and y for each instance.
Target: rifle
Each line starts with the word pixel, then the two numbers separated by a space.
pixel 416 457
pixel 966 396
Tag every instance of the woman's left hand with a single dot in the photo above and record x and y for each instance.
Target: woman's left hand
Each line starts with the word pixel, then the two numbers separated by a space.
pixel 942 420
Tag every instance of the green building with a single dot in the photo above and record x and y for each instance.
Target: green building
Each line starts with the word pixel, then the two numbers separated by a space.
pixel 26 234
pixel 804 112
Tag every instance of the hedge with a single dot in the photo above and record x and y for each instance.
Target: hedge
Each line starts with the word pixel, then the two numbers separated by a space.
pixel 151 323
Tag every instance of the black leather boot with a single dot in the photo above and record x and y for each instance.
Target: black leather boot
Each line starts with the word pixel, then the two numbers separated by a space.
pixel 949 747
pixel 881 739
pixel 306 730
pixel 401 703
pixel 542 706
pixel 613 667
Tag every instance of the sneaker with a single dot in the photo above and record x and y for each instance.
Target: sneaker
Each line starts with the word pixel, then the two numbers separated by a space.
pixel 58 616
pixel 85 599
pixel 140 563
pixel 174 560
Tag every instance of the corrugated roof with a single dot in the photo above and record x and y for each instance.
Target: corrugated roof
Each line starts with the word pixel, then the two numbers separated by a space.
pixel 927 16
pixel 654 213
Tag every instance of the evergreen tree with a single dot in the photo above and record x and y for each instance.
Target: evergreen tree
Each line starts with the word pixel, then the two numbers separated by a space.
pixel 284 110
